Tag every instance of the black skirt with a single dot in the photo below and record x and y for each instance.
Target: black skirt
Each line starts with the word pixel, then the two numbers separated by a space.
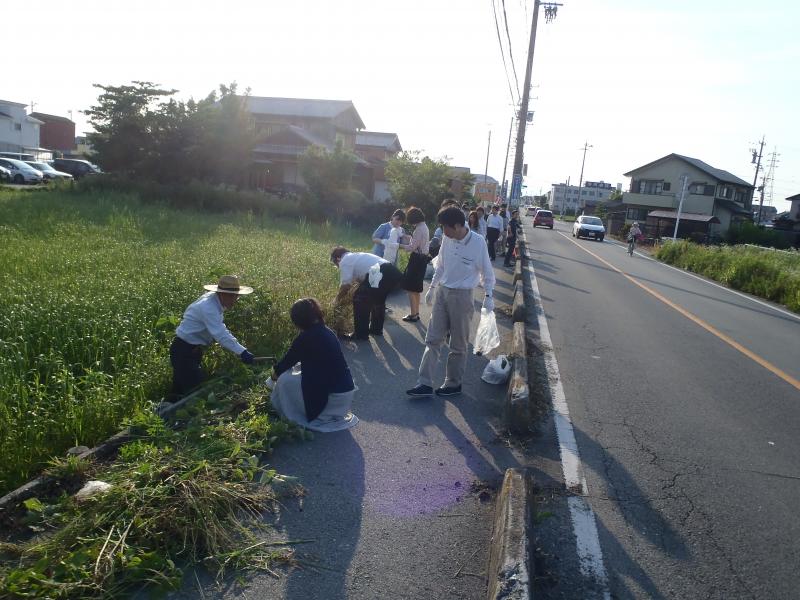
pixel 415 272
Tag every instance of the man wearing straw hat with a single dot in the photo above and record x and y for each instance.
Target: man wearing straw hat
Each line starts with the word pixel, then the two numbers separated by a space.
pixel 202 324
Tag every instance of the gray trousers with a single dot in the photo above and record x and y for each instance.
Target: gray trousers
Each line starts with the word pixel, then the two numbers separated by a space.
pixel 451 314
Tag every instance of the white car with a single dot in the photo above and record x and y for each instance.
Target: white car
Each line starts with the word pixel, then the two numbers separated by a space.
pixel 530 210
pixel 590 227
pixel 21 172
pixel 50 174
pixel 5 174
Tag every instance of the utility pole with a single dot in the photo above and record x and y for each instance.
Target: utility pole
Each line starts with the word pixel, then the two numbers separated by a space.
pixel 766 177
pixel 488 146
pixel 586 146
pixel 505 164
pixel 551 8
pixel 757 162
pixel 680 206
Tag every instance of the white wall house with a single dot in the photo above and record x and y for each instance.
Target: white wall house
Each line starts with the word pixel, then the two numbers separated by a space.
pixel 563 196
pixel 19 132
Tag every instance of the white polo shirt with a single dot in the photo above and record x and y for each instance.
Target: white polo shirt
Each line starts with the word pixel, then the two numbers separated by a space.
pixel 495 221
pixel 462 264
pixel 354 266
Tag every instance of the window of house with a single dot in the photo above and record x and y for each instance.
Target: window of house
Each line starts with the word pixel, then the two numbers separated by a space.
pixel 701 189
pixel 17 126
pixel 739 197
pixel 667 186
pixel 583 192
pixel 650 187
pixel 591 193
pixel 637 214
pixel 726 191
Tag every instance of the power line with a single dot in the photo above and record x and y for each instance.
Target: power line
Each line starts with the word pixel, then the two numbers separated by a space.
pixel 510 53
pixel 502 53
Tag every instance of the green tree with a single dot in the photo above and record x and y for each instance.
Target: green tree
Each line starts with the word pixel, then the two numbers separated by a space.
pixel 329 178
pixel 421 182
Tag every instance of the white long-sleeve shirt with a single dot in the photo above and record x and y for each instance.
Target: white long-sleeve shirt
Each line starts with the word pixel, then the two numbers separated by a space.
pixel 202 324
pixel 354 266
pixel 495 221
pixel 462 264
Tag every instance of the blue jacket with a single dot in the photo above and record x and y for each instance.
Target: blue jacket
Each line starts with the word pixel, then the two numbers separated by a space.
pixel 324 368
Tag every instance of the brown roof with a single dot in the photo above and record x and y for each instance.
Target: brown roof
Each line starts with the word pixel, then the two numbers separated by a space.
pixel 671 214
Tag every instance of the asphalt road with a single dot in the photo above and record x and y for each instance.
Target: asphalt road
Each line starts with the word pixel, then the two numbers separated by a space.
pixel 687 432
pixel 400 506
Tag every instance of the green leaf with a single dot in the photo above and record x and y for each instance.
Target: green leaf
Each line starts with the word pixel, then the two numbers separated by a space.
pixel 34 504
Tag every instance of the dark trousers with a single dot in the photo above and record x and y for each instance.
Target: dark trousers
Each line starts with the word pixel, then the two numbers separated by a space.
pixel 492 236
pixel 510 243
pixel 369 303
pixel 186 371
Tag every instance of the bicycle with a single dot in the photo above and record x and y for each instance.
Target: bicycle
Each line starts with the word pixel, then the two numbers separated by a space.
pixel 631 245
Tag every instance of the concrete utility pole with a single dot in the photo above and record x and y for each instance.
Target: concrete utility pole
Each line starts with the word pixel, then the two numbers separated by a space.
pixel 685 179
pixel 505 164
pixel 586 146
pixel 768 176
pixel 488 146
pixel 551 8
pixel 757 162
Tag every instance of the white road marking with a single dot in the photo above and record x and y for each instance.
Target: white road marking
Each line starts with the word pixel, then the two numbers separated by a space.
pixel 782 311
pixel 584 526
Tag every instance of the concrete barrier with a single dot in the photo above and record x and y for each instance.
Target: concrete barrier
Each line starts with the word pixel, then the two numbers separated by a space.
pixel 518 411
pixel 510 566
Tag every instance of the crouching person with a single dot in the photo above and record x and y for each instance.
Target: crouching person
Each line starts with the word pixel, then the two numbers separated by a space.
pixel 201 325
pixel 318 396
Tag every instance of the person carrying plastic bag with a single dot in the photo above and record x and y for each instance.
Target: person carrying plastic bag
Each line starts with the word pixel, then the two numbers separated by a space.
pixel 462 262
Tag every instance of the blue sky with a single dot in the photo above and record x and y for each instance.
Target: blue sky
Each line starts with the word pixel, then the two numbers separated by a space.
pixel 638 80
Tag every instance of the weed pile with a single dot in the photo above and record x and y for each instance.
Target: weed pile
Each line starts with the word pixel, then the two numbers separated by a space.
pixel 770 274
pixel 183 498
pixel 92 286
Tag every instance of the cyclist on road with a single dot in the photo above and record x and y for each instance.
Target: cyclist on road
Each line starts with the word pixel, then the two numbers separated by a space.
pixel 633 235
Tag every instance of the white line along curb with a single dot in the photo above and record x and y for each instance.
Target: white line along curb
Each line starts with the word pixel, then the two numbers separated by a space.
pixel 584 526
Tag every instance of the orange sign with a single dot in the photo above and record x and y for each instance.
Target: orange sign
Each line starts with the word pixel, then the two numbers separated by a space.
pixel 485 192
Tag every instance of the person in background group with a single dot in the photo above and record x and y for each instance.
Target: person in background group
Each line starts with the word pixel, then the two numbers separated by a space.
pixel 201 324
pixel 511 237
pixel 465 209
pixel 503 232
pixel 463 261
pixel 481 220
pixel 377 278
pixel 473 222
pixel 417 262
pixel 381 235
pixel 320 395
pixel 494 225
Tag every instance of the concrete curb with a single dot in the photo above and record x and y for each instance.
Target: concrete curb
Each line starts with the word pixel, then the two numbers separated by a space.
pixel 510 566
pixel 103 450
pixel 517 413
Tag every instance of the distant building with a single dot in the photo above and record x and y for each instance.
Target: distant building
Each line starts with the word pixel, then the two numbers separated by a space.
pixel 564 197
pixel 19 131
pixel 714 199
pixel 56 133
pixel 768 213
pixel 376 148
pixel 485 188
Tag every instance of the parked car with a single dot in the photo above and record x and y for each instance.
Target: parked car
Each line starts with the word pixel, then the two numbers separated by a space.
pixel 75 167
pixel 17 156
pixel 543 218
pixel 590 227
pixel 50 174
pixel 21 172
pixel 5 174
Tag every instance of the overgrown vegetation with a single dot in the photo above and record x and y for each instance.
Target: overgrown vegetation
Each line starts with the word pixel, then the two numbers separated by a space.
pixel 770 274
pixel 750 233
pixel 179 499
pixel 92 286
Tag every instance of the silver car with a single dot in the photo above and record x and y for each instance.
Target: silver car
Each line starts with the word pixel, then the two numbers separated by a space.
pixel 590 227
pixel 50 174
pixel 21 172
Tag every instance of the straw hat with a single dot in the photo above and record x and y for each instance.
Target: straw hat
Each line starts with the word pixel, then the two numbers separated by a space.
pixel 229 284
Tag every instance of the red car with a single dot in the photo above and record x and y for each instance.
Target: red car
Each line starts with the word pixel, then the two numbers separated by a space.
pixel 544 218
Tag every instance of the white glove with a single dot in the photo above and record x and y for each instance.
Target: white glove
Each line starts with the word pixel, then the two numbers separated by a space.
pixel 429 296
pixel 270 383
pixel 488 303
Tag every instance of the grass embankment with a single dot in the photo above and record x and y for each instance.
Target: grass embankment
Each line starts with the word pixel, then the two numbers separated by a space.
pixel 770 274
pixel 92 286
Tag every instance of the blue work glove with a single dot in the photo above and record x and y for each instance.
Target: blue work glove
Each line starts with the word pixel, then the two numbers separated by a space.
pixel 247 357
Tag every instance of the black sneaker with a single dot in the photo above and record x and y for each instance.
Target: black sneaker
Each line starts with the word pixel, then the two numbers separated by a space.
pixel 449 391
pixel 420 390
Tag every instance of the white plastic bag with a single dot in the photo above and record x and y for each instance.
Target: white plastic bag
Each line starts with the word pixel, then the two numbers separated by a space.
pixel 487 338
pixel 497 371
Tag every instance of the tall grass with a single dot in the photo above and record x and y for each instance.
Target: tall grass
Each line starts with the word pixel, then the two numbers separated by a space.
pixel 91 287
pixel 770 274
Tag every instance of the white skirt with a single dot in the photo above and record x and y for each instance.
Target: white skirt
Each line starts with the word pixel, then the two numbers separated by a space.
pixel 287 400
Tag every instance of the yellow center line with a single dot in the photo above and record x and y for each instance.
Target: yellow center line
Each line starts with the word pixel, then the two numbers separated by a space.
pixel 728 340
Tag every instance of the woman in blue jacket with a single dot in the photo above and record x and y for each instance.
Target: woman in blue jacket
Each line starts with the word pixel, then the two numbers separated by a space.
pixel 319 395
